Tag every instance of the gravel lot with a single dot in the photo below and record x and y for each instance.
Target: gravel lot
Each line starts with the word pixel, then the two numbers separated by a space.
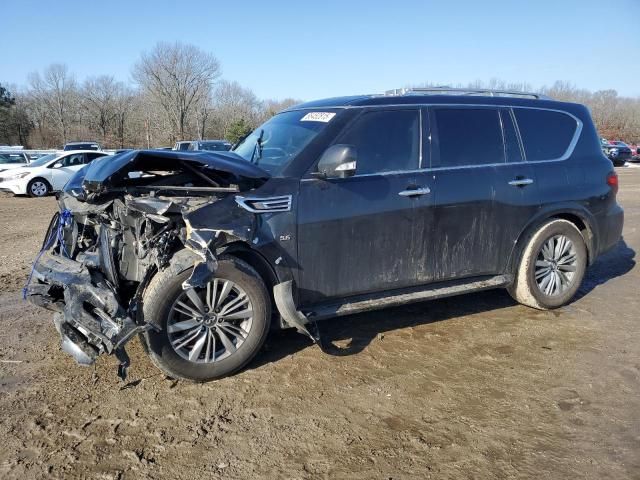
pixel 467 387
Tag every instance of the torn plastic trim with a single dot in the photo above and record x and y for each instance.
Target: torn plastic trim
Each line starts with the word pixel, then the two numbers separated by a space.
pixel 283 295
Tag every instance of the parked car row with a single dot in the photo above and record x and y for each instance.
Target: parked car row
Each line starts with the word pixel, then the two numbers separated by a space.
pixel 10 159
pixel 46 174
pixel 619 152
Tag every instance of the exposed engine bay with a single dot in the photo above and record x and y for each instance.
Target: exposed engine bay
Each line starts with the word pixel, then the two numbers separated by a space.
pixel 122 219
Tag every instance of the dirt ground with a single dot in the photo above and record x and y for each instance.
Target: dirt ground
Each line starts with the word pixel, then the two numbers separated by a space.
pixel 467 387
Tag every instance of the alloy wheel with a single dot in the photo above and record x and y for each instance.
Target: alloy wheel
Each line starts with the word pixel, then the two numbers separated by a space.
pixel 210 324
pixel 556 265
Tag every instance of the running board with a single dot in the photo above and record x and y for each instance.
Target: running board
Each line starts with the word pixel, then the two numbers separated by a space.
pixel 364 303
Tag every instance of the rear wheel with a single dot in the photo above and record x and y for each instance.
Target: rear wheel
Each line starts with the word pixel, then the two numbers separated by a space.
pixel 38 187
pixel 206 333
pixel 552 266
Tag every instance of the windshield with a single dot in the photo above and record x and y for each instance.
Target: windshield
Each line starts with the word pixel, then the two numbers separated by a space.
pixel 274 144
pixel 11 158
pixel 43 160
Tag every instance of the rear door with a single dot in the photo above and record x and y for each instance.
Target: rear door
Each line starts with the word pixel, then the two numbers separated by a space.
pixel 483 192
pixel 70 164
pixel 355 234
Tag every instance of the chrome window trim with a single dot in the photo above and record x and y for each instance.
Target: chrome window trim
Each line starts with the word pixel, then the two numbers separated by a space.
pixel 565 156
pixel 393 172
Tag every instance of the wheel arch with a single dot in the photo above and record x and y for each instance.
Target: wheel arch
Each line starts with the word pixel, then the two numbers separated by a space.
pixel 580 217
pixel 260 264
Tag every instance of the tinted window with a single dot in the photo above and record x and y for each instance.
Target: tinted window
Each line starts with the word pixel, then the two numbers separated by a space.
pixel 512 145
pixel 469 136
pixel 215 146
pixel 12 158
pixel 73 159
pixel 546 135
pixel 93 156
pixel 385 141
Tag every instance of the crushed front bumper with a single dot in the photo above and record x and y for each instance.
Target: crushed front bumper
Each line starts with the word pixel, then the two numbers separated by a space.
pixel 89 318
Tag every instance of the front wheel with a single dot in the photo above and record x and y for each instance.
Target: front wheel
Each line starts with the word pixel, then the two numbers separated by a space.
pixel 551 267
pixel 206 333
pixel 38 187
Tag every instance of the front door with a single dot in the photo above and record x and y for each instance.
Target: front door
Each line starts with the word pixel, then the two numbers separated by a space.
pixel 70 165
pixel 355 234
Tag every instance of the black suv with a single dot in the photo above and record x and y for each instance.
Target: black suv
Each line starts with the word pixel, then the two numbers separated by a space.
pixel 329 208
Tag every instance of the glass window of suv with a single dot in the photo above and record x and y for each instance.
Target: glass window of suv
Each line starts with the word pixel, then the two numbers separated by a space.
pixel 469 136
pixel 385 141
pixel 546 134
pixel 276 142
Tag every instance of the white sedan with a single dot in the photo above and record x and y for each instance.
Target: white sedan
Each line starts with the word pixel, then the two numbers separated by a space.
pixel 47 174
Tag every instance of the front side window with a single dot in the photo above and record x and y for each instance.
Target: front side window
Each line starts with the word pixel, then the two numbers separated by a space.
pixel 73 159
pixel 469 136
pixel 546 135
pixel 385 141
pixel 276 142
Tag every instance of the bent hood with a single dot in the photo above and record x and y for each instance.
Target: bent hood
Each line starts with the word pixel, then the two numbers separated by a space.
pixel 224 168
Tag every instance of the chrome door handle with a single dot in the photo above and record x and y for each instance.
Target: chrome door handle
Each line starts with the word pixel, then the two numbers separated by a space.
pixel 521 182
pixel 414 192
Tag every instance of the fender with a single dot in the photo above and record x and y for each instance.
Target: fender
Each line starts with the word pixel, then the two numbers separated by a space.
pixel 561 210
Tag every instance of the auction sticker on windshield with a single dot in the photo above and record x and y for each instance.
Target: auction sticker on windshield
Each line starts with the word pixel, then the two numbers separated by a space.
pixel 318 117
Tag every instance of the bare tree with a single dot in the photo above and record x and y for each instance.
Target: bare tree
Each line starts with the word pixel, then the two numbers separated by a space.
pixel 124 101
pixel 57 90
pixel 177 76
pixel 99 97
pixel 232 103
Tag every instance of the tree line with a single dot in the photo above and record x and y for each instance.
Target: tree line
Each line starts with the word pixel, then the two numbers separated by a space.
pixel 178 94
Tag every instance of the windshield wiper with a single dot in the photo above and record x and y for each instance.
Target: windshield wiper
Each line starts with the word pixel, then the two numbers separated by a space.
pixel 257 148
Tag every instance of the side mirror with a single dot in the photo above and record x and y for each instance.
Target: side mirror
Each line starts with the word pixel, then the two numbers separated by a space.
pixel 337 161
pixel 57 165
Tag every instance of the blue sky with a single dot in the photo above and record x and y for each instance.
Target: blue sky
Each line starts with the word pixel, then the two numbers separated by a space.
pixel 313 49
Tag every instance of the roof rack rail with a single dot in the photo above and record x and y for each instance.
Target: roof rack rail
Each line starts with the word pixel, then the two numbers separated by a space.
pixel 485 92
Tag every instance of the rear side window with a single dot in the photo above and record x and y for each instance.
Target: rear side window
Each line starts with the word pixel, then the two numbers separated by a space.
pixel 386 141
pixel 468 136
pixel 546 135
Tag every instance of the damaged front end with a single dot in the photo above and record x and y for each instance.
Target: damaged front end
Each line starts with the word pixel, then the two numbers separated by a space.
pixel 124 218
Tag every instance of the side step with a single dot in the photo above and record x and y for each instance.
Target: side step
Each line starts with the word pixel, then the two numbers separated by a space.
pixel 363 303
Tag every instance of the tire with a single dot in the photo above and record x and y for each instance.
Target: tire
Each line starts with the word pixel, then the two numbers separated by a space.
pixel 160 308
pixel 38 187
pixel 529 287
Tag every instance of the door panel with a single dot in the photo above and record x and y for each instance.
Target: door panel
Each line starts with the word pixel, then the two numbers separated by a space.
pixel 354 236
pixel 477 214
pixel 70 165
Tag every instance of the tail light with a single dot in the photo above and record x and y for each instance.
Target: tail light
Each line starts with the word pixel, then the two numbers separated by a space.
pixel 612 181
